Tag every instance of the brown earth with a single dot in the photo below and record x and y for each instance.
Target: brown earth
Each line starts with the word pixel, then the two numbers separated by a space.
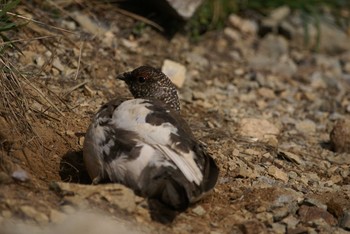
pixel 261 186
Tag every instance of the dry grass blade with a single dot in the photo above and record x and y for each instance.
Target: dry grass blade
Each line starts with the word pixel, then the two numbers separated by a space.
pixel 40 23
pixel 13 98
pixel 140 18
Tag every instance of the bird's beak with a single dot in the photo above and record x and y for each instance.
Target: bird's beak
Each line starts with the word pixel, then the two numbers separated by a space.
pixel 123 76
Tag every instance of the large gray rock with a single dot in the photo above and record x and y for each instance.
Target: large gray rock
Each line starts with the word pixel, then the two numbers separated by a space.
pixel 183 9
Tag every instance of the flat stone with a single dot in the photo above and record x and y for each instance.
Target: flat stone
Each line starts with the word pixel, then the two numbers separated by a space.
pixel 278 173
pixel 266 93
pixel 175 71
pixel 88 24
pixel 278 228
pixel 199 210
pixel 258 128
pixel 292 157
pixel 280 213
pixel 310 213
pixel 306 127
pixel 38 216
pixel 116 194
pixel 243 25
pixel 290 221
pixel 197 60
pixel 252 227
pixel 314 202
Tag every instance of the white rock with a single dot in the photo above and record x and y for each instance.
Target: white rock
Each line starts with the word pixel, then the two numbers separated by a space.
pixel 199 210
pixel 88 24
pixel 175 71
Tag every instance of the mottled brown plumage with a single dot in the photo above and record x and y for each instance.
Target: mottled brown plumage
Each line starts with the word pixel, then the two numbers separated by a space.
pixel 149 82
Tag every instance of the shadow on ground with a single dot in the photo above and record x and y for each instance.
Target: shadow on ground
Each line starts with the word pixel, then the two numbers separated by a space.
pixel 72 168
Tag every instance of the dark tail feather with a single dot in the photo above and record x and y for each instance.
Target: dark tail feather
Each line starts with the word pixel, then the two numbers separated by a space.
pixel 211 173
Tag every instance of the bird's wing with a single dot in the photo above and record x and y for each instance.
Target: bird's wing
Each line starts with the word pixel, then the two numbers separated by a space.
pixel 184 161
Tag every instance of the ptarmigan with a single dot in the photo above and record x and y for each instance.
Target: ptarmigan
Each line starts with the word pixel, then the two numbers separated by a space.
pixel 146 145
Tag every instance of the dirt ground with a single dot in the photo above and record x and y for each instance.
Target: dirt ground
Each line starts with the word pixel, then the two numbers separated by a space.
pixel 276 176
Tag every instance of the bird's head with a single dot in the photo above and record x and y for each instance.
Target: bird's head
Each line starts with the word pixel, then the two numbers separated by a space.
pixel 148 82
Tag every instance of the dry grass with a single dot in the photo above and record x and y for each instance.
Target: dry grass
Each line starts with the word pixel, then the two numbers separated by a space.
pixel 20 92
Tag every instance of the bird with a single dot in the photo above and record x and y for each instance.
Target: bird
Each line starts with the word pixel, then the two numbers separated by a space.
pixel 145 144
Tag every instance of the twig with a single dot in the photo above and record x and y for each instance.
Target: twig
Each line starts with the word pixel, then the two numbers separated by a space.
pixel 75 87
pixel 79 59
pixel 39 22
pixel 31 39
pixel 140 18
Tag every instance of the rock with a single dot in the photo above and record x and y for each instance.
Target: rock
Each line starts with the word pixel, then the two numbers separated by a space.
pixel 252 227
pixel 39 60
pixel 278 173
pixel 88 24
pixel 273 47
pixel 197 95
pixel 345 221
pixel 276 16
pixel 266 93
pixel 116 194
pixel 20 175
pixel 30 212
pixel 5 178
pixel 280 213
pixel 69 24
pixel 272 55
pixel 340 136
pixel 259 128
pixel 307 127
pixel 232 34
pixel 132 45
pixel 335 208
pixel 278 228
pixel 175 71
pixel 299 230
pixel 183 9
pixel 109 39
pixel 243 25
pixel 56 216
pixel 199 210
pixel 6 214
pixel 310 213
pixel 290 221
pixel 332 39
pixel 328 38
pixel 197 60
pixel 291 157
pixel 58 65
pixel 314 202
pixel 279 13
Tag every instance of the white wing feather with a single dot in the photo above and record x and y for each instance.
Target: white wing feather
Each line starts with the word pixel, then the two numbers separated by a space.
pixel 185 163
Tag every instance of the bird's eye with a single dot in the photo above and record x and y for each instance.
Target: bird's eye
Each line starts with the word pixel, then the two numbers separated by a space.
pixel 141 79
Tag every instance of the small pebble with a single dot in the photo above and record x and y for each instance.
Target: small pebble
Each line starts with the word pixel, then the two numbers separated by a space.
pixel 20 175
pixel 199 210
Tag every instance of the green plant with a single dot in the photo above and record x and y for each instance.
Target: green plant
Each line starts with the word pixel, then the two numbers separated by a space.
pixel 6 24
pixel 213 14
